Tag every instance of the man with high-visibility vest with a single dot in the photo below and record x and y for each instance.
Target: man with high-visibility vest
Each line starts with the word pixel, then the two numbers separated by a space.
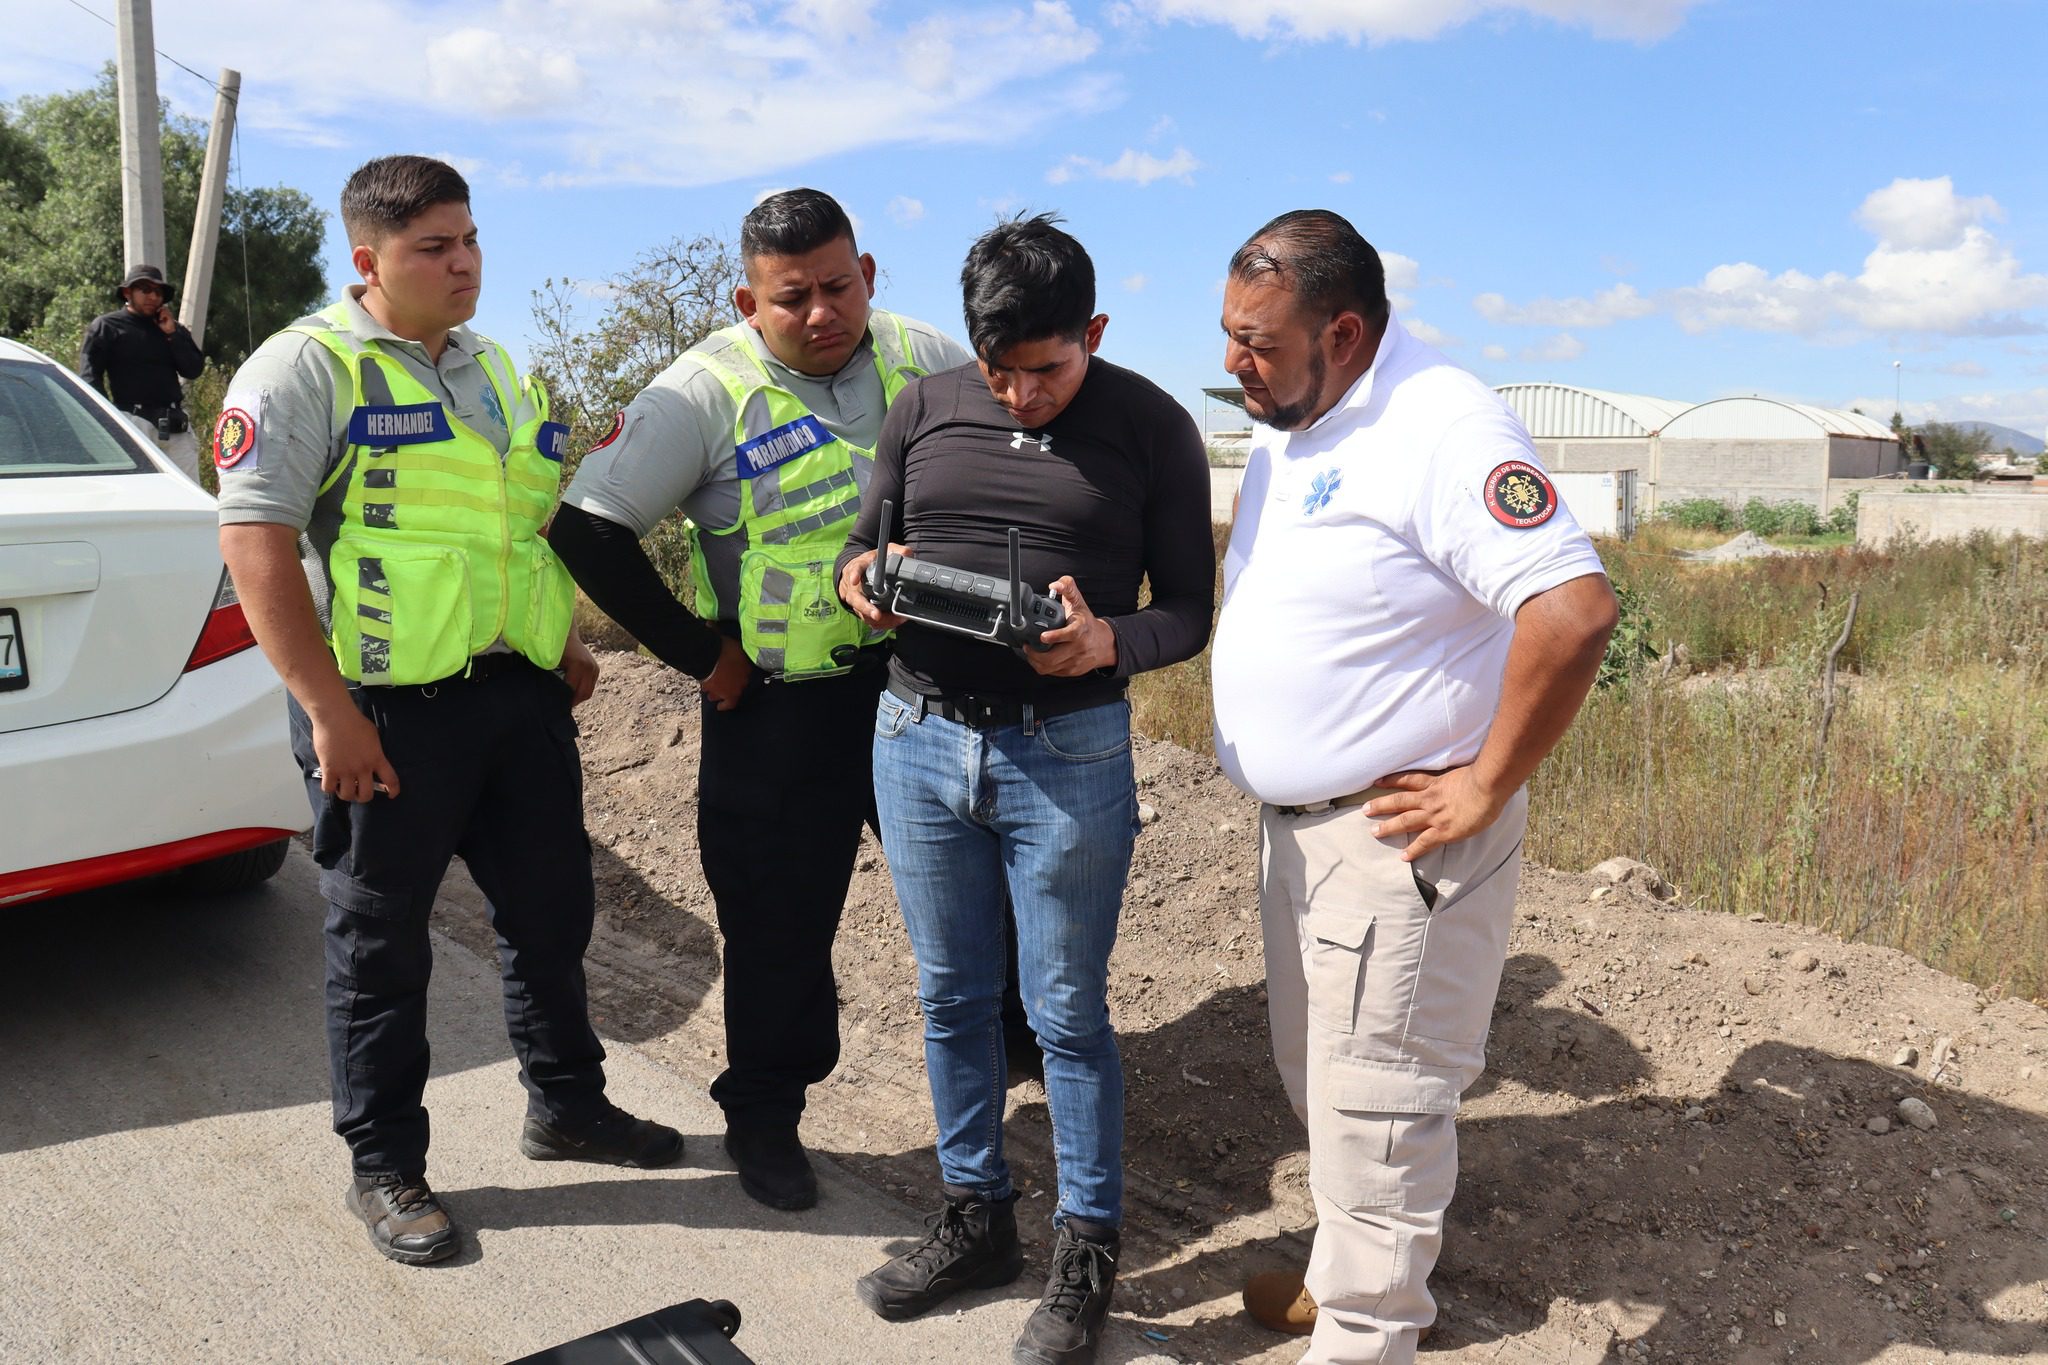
pixel 763 434
pixel 426 641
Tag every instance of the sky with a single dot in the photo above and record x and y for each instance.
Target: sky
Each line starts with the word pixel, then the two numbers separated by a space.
pixel 1822 201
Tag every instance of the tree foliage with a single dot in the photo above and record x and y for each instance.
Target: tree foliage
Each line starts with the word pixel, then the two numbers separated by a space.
pixel 1954 451
pixel 60 215
pixel 671 298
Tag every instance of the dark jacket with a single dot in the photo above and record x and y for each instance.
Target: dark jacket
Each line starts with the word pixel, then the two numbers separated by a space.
pixel 132 354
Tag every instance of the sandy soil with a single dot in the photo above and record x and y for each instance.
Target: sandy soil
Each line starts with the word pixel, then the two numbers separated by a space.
pixel 1671 1157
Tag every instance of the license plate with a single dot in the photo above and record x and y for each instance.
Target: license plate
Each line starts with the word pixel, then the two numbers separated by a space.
pixel 13 651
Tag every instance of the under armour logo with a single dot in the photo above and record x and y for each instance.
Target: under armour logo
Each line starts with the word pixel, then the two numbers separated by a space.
pixel 1018 438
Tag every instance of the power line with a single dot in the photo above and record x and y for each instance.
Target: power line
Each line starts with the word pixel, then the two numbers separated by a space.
pixel 159 51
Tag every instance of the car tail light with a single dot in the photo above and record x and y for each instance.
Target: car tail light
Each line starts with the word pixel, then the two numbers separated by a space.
pixel 226 630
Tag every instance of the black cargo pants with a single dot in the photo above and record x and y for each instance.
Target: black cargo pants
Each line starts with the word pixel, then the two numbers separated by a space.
pixel 488 770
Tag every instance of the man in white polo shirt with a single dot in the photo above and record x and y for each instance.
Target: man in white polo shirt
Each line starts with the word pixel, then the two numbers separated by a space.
pixel 1411 620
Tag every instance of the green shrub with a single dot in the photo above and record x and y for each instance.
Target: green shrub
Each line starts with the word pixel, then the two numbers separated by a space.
pixel 1798 519
pixel 1701 514
pixel 1631 648
pixel 1842 521
pixel 1763 518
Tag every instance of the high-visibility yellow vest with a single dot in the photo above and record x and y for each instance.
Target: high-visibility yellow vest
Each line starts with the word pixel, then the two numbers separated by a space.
pixel 439 553
pixel 800 491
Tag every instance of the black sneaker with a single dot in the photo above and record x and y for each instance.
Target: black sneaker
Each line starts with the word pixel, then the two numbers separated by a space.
pixel 1066 1327
pixel 615 1138
pixel 972 1245
pixel 405 1221
pixel 773 1167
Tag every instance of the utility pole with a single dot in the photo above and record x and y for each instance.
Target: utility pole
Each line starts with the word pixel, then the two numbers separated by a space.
pixel 142 152
pixel 213 184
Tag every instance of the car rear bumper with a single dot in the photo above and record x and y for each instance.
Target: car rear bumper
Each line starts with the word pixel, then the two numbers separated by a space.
pixel 153 788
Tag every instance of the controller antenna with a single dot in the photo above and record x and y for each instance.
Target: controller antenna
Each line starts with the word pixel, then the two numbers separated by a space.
pixel 1016 585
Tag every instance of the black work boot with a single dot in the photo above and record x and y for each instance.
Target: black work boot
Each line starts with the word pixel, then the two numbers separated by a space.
pixel 614 1138
pixel 773 1167
pixel 1066 1327
pixel 972 1245
pixel 405 1221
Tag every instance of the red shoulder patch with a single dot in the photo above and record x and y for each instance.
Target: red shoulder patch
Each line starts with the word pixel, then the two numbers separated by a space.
pixel 234 436
pixel 1520 495
pixel 618 425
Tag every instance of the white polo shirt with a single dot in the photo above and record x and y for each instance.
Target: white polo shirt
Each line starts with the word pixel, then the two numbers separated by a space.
pixel 1369 591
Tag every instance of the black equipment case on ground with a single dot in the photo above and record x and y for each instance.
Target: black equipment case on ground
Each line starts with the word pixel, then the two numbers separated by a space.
pixel 693 1333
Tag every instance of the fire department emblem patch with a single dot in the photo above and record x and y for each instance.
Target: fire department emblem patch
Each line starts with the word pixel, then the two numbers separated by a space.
pixel 234 436
pixel 1520 495
pixel 618 425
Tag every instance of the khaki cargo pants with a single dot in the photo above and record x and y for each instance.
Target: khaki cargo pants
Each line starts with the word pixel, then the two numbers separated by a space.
pixel 1381 977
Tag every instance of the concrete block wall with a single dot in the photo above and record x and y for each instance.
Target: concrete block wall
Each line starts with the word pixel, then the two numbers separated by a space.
pixel 1566 456
pixel 1946 510
pixel 1736 471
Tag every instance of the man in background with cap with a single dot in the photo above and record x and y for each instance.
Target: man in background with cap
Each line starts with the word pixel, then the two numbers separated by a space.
pixel 142 351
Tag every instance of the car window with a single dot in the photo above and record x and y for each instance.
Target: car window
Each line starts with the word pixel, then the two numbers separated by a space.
pixel 47 427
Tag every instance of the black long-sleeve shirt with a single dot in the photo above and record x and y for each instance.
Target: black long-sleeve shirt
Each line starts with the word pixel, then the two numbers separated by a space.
pixel 611 566
pixel 1114 490
pixel 132 354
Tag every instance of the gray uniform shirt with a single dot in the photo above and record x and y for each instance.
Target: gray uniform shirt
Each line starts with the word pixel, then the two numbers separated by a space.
pixel 675 447
pixel 296 397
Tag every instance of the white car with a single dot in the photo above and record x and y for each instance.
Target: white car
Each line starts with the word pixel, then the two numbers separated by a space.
pixel 141 730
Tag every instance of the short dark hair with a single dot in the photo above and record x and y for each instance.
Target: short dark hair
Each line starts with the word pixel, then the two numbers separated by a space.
pixel 386 194
pixel 1026 280
pixel 792 223
pixel 1320 257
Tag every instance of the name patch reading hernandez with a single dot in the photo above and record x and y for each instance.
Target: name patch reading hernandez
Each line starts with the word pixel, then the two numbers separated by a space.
pixel 780 446
pixel 1520 495
pixel 408 424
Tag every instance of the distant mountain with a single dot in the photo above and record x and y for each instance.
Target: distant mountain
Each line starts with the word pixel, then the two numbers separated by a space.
pixel 2002 437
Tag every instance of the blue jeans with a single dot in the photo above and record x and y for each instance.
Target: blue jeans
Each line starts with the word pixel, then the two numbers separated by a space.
pixel 1050 808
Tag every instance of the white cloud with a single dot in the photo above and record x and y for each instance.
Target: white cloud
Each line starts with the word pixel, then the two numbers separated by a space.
pixel 1161 126
pixel 1382 21
pixel 1403 272
pixel 1919 214
pixel 1141 168
pixel 1340 177
pixel 1963 369
pixel 1492 352
pixel 492 74
pixel 586 91
pixel 1134 284
pixel 1555 351
pixel 1608 306
pixel 1433 336
pixel 903 210
pixel 1936 270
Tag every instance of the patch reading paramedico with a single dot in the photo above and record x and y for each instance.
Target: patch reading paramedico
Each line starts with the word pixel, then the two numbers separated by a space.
pixel 1520 495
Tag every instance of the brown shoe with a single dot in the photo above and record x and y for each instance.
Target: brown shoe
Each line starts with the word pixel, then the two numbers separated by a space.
pixel 406 1221
pixel 1279 1301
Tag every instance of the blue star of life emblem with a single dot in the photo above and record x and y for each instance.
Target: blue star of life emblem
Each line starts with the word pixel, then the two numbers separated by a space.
pixel 1319 490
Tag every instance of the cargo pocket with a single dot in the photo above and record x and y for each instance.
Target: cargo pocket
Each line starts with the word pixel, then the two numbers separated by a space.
pixel 551 606
pixel 1339 946
pixel 401 612
pixel 797 622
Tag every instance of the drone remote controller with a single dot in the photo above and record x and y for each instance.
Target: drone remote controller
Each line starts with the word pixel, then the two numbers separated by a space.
pixel 956 600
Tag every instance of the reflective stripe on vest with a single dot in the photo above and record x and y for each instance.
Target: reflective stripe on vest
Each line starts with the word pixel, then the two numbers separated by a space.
pixel 801 487
pixel 439 553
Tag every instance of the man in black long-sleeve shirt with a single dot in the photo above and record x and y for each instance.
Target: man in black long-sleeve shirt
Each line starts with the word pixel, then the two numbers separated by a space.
pixel 141 350
pixel 998 770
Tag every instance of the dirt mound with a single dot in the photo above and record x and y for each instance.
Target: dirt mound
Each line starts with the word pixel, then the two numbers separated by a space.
pixel 1675 1154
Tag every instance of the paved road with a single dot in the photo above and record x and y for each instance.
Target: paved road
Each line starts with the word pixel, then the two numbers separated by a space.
pixel 169 1189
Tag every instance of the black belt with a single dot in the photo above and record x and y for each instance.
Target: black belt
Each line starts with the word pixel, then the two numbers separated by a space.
pixel 993 713
pixel 175 413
